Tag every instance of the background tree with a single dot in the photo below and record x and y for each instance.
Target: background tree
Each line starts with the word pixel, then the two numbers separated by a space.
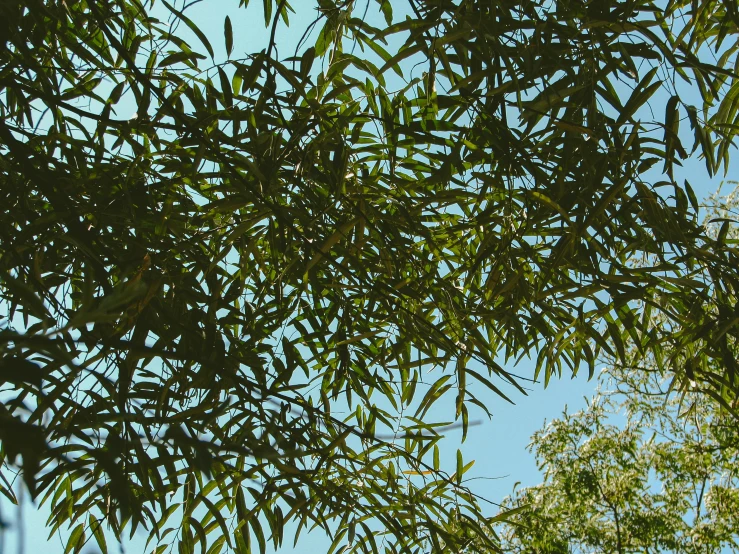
pixel 641 469
pixel 234 310
pixel 632 473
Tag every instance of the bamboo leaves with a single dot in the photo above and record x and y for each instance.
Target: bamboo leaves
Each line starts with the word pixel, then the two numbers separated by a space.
pixel 277 274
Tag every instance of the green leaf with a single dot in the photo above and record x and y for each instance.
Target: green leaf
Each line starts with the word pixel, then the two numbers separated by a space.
pixel 267 11
pixel 306 61
pixel 387 11
pixel 691 196
pixel 96 527
pixel 325 40
pixel 228 35
pixel 76 537
pixel 225 88
pixel 460 468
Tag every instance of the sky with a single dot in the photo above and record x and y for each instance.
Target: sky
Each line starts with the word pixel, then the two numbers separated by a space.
pixel 498 446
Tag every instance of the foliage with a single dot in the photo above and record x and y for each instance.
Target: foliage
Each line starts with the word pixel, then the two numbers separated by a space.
pixel 654 483
pixel 233 312
pixel 638 470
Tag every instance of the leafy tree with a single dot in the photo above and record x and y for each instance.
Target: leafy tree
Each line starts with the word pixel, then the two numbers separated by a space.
pixel 234 310
pixel 656 482
pixel 640 469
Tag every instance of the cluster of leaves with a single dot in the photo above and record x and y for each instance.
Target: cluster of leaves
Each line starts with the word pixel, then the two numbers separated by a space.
pixel 225 310
pixel 643 468
pixel 663 480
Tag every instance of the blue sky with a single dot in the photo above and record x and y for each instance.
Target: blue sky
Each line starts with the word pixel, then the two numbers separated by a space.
pixel 498 446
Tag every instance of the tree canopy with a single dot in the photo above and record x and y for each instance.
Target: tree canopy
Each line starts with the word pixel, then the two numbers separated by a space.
pixel 662 480
pixel 233 311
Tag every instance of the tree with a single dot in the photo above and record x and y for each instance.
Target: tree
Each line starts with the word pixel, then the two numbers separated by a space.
pixel 234 310
pixel 640 469
pixel 660 481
